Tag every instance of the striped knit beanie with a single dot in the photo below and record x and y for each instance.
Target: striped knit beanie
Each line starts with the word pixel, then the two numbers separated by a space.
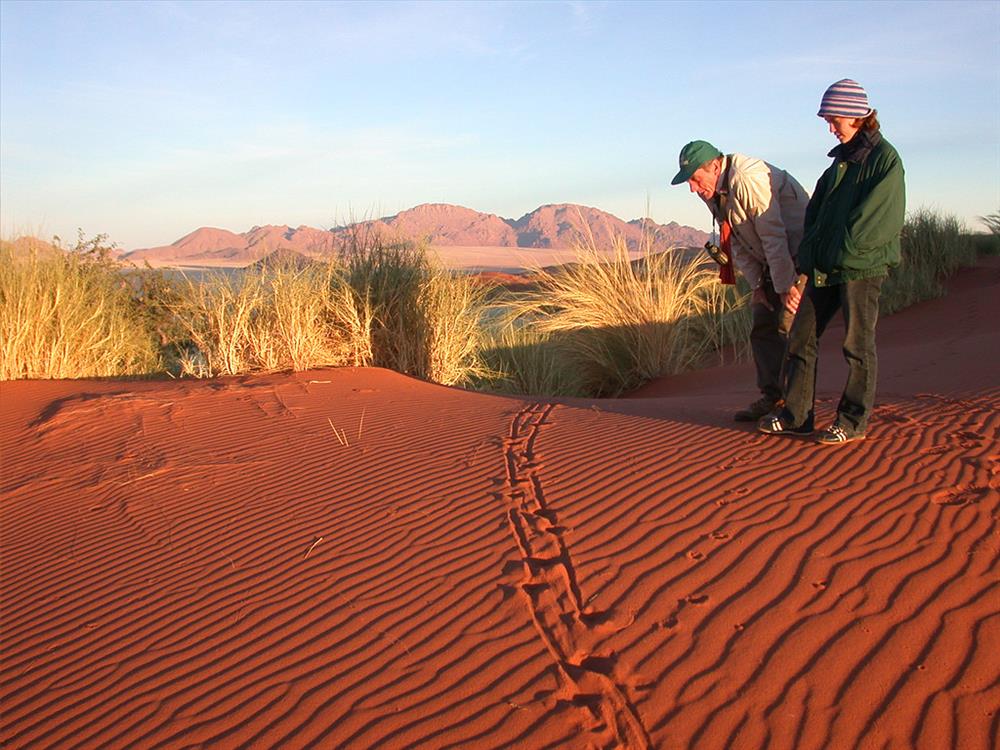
pixel 845 98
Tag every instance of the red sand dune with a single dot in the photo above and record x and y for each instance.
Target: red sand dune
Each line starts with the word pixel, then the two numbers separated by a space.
pixel 353 558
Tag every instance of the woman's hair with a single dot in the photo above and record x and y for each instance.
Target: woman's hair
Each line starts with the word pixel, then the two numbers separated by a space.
pixel 868 123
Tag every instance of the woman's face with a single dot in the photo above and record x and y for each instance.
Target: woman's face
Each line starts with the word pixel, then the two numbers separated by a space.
pixel 843 128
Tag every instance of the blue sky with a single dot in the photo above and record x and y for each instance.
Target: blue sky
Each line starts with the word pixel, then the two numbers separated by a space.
pixel 146 120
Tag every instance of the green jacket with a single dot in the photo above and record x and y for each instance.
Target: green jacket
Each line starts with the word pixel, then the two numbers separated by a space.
pixel 855 215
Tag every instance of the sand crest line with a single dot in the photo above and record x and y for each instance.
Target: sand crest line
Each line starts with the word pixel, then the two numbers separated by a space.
pixel 552 593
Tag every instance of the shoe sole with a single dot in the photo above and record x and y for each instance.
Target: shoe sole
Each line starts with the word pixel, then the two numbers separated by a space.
pixel 786 433
pixel 855 439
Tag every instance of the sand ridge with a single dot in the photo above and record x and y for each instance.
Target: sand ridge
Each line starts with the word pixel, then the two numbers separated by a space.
pixel 352 558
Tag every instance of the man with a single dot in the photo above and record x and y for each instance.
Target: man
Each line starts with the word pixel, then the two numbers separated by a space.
pixel 762 210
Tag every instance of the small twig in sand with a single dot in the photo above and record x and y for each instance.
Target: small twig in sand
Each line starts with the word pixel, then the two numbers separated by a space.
pixel 318 540
pixel 360 424
pixel 342 439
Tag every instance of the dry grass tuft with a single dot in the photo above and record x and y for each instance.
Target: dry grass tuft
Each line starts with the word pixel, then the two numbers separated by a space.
pixel 69 315
pixel 272 318
pixel 614 322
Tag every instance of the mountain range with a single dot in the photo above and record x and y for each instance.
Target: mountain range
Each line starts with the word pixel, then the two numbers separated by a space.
pixel 461 236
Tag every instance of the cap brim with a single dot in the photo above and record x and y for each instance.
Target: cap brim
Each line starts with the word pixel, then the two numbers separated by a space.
pixel 683 176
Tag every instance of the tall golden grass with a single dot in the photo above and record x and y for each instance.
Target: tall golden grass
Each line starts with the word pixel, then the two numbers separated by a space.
pixel 267 319
pixel 934 246
pixel 453 334
pixel 384 305
pixel 80 314
pixel 614 322
pixel 68 315
pixel 597 327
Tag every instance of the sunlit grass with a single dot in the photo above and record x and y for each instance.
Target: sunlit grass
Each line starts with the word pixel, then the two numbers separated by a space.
pixel 69 315
pixel 934 246
pixel 600 326
pixel 381 304
pixel 268 319
pixel 613 322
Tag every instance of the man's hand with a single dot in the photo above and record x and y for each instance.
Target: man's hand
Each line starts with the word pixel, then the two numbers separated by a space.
pixel 792 299
pixel 760 298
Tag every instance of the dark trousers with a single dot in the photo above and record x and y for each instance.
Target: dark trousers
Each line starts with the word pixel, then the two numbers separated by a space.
pixel 859 301
pixel 766 344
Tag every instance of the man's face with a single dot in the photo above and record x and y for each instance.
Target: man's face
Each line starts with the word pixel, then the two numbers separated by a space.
pixel 704 180
pixel 843 128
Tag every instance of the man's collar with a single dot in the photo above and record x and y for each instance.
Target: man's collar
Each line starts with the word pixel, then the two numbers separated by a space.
pixel 722 184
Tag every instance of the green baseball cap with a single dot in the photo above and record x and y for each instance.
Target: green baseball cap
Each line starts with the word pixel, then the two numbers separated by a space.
pixel 693 156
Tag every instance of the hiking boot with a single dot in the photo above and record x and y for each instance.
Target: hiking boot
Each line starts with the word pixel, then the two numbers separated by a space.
pixel 838 434
pixel 777 424
pixel 759 408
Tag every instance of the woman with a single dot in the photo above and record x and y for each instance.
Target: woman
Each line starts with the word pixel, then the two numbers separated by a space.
pixel 851 240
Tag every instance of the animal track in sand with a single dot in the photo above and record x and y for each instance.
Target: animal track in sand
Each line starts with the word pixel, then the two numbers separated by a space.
pixel 567 626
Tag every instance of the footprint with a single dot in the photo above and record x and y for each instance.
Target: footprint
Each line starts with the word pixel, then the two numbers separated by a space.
pixel 595 663
pixel 819 585
pixel 935 450
pixel 974 437
pixel 533 589
pixel 719 535
pixel 959 495
pixel 695 555
pixel 696 598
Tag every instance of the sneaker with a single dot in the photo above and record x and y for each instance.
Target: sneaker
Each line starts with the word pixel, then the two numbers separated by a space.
pixel 776 424
pixel 838 434
pixel 759 408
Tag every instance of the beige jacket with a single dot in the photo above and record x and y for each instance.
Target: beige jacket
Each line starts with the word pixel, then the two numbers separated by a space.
pixel 766 208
